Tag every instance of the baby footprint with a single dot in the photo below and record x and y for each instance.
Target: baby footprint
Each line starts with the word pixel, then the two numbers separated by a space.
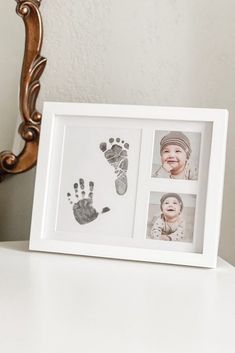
pixel 83 209
pixel 117 157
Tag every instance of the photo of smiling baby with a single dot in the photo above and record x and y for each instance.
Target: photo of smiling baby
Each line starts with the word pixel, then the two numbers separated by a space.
pixel 170 225
pixel 176 155
pixel 171 217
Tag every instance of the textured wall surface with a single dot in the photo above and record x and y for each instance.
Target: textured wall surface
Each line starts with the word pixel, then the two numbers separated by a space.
pixel 171 52
pixel 15 193
pixel 12 44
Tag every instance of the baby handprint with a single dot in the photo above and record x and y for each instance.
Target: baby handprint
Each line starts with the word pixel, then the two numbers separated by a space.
pixel 83 209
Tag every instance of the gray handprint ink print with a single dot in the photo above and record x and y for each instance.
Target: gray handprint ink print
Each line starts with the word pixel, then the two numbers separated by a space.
pixel 117 157
pixel 83 209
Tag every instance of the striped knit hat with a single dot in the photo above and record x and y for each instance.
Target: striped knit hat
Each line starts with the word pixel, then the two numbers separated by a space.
pixel 172 194
pixel 176 138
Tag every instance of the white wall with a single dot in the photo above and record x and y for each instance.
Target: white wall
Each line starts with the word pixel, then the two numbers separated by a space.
pixel 171 52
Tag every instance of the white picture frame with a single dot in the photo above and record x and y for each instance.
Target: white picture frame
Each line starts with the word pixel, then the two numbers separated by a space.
pixel 97 193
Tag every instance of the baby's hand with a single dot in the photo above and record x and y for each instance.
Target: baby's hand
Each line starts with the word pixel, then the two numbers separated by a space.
pixel 167 167
pixel 165 237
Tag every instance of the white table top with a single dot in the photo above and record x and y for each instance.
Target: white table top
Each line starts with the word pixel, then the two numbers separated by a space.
pixel 53 303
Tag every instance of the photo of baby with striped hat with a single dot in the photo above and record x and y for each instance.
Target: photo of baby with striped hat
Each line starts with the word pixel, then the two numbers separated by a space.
pixel 175 156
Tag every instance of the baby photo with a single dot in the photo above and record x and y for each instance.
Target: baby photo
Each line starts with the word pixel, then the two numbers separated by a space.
pixel 171 217
pixel 176 155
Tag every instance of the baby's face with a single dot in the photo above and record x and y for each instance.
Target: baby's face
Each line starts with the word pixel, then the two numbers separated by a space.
pixel 174 158
pixel 171 207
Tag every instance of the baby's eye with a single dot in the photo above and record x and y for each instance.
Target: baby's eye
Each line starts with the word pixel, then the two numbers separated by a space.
pixel 178 151
pixel 165 151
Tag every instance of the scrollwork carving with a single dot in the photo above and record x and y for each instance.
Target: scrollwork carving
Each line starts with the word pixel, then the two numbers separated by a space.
pixel 32 69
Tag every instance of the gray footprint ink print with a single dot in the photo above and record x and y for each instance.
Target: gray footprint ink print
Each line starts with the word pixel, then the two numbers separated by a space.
pixel 83 209
pixel 117 157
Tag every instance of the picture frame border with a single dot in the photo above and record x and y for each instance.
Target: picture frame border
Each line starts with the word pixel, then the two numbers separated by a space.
pixel 208 257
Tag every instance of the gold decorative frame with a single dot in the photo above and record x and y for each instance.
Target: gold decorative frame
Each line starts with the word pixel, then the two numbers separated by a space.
pixel 32 69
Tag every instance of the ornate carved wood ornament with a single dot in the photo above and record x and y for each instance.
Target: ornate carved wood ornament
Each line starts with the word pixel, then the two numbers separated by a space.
pixel 32 69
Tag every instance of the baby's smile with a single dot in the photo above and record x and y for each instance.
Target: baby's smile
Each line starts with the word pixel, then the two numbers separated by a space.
pixel 172 159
